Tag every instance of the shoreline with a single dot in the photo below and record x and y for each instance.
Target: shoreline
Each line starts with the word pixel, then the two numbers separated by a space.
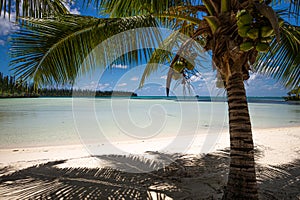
pixel 278 146
pixel 125 141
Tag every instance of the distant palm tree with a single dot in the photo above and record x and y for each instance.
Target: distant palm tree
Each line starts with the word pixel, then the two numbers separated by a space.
pixel 237 32
pixel 294 94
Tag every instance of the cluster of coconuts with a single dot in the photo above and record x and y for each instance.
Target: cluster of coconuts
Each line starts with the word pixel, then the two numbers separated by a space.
pixel 257 30
pixel 183 65
pixel 179 67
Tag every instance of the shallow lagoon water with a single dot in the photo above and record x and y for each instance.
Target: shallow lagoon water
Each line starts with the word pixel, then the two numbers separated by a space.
pixel 62 121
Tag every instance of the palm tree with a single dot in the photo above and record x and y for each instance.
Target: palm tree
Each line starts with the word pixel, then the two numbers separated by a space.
pixel 238 33
pixel 294 94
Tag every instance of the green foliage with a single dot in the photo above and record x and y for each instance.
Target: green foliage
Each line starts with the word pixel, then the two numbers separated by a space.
pixel 121 8
pixel 36 9
pixel 59 43
pixel 293 7
pixel 65 92
pixel 283 61
pixel 52 50
pixel 213 23
pixel 294 94
pixel 10 87
pixel 160 55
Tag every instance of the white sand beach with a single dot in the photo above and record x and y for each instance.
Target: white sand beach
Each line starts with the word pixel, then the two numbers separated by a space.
pixel 277 145
pixel 197 173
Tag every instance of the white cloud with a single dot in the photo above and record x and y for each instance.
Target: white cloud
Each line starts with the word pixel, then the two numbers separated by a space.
pixel 254 76
pixel 69 5
pixel 122 84
pixel 2 42
pixel 7 25
pixel 209 78
pixel 134 78
pixel 103 86
pixel 119 66
pixel 196 77
pixel 260 85
pixel 95 86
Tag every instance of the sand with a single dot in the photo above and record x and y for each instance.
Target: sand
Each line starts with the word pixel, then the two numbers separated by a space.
pixel 194 171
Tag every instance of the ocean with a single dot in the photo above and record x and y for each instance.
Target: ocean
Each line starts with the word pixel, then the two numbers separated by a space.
pixel 33 122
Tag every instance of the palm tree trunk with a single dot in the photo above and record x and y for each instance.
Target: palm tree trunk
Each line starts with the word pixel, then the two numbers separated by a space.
pixel 242 178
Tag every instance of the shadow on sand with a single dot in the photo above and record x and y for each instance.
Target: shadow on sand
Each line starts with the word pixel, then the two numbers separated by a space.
pixel 188 177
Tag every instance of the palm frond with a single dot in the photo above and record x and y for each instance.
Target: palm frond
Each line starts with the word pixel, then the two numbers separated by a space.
pixel 166 18
pixel 120 8
pixel 283 60
pixel 271 15
pixel 170 13
pixel 52 50
pixel 160 56
pixel 29 8
pixel 177 47
pixel 293 6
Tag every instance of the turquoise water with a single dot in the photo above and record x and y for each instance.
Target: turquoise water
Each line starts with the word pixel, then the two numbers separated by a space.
pixel 61 121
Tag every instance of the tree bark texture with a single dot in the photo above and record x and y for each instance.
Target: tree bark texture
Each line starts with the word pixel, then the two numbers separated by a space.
pixel 242 177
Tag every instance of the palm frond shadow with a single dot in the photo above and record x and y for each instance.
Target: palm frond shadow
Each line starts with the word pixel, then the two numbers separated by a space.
pixel 280 182
pixel 187 177
pixel 49 181
pixel 139 164
pixel 6 170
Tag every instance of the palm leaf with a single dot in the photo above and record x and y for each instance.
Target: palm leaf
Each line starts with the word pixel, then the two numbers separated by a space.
pixel 270 14
pixel 52 50
pixel 283 61
pixel 170 13
pixel 161 55
pixel 293 6
pixel 31 8
pixel 120 8
pixel 181 42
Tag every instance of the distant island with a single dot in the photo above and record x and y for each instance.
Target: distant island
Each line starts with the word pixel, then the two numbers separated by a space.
pixel 82 93
pixel 12 88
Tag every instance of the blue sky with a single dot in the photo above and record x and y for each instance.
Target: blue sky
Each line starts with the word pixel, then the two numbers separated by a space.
pixel 126 78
